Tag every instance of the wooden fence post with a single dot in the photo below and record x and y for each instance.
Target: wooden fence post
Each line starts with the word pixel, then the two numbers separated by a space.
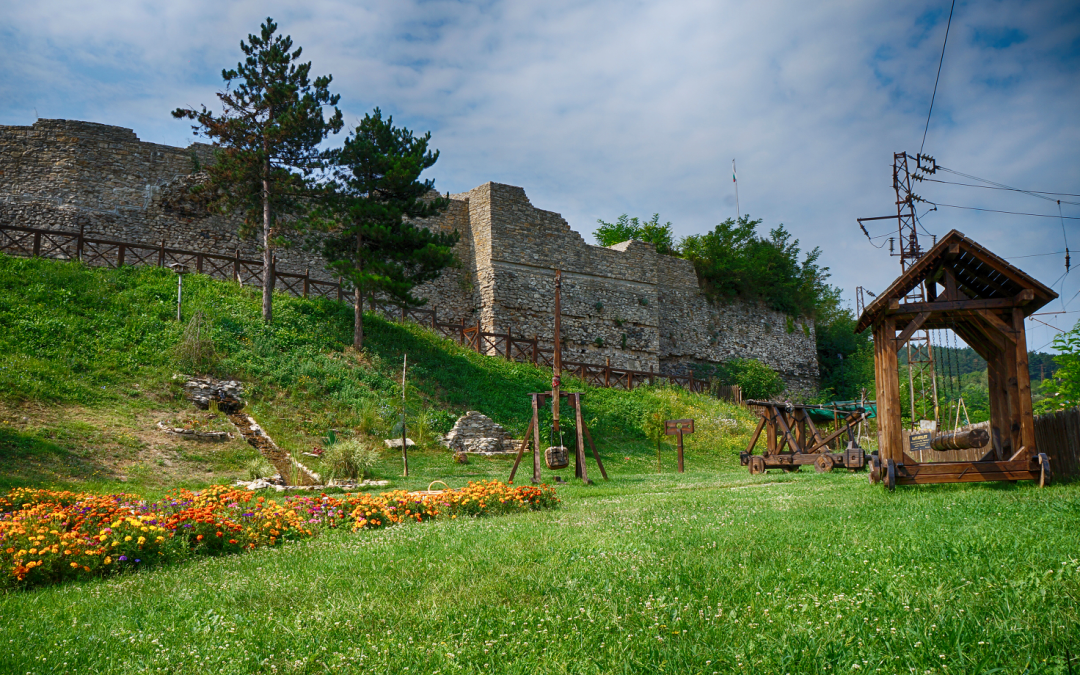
pixel 198 263
pixel 161 255
pixel 307 279
pixel 476 343
pixel 535 348
pixel 650 374
pixel 629 380
pixel 607 371
pixel 236 268
pixel 461 332
pixel 509 342
pixel 37 244
pixel 79 244
pixel 434 318
pixel 120 256
pixel 339 289
pixel 691 380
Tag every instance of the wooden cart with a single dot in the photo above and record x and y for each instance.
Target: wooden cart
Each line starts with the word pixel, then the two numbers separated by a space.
pixel 792 440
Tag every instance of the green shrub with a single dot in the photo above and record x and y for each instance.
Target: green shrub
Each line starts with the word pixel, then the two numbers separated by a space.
pixel 757 380
pixel 352 459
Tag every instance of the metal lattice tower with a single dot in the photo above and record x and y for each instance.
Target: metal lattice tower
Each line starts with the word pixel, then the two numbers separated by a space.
pixel 920 353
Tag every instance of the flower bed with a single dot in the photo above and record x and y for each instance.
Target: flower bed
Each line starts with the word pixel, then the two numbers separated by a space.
pixel 49 536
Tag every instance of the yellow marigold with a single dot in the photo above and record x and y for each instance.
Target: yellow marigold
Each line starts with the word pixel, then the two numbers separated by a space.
pixel 75 565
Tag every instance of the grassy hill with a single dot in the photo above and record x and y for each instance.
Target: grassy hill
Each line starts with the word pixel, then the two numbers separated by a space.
pixel 88 359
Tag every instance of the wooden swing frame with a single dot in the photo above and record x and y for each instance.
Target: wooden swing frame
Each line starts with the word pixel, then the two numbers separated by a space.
pixel 532 437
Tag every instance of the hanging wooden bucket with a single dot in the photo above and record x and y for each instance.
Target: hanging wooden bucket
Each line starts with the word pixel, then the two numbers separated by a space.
pixel 557 457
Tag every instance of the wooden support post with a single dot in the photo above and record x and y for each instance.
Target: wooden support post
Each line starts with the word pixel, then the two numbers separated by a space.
pixel 236 270
pixel 509 342
pixel 79 244
pixel 888 392
pixel 1023 385
pixel 535 348
pixel 607 371
pixel 307 280
pixel 524 444
pixel 691 380
pixel 120 256
pixel 650 374
pixel 629 380
pixel 579 424
pixel 596 455
pixel 161 255
pixel 434 318
pixel 198 262
pixel 37 244
pixel 770 432
pixel 536 436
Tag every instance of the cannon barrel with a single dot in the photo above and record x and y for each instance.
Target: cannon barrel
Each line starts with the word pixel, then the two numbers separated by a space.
pixel 960 440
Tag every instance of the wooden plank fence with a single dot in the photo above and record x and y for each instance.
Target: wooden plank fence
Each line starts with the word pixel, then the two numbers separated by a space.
pixel 27 241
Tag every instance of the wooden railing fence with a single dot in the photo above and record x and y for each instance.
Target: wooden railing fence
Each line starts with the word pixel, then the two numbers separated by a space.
pixel 28 241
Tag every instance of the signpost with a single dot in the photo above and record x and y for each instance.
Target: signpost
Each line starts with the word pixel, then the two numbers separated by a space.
pixel 678 428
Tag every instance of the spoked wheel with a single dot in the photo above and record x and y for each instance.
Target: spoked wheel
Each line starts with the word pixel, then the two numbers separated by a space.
pixel 823 464
pixel 757 465
pixel 890 474
pixel 1045 475
pixel 874 474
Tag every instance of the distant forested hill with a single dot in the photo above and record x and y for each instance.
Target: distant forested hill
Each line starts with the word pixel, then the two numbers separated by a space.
pixel 964 360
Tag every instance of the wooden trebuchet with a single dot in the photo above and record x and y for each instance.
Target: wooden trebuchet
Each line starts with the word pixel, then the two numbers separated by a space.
pixel 960 440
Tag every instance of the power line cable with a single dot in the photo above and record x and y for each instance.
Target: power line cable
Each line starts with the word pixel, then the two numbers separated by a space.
pixel 1033 193
pixel 1012 213
pixel 938 78
pixel 995 187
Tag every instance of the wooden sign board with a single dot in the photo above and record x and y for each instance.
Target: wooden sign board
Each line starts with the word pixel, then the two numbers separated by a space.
pixel 678 427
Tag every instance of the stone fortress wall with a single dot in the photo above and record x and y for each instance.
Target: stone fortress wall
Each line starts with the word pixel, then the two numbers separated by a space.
pixel 625 303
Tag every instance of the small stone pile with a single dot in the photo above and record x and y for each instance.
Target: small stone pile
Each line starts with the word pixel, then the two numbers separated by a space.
pixel 227 393
pixel 479 434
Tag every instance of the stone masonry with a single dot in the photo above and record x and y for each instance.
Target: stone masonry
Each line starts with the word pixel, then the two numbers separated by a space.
pixel 625 303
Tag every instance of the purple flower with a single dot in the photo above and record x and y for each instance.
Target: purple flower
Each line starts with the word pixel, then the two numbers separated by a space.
pixel 122 558
pixel 137 560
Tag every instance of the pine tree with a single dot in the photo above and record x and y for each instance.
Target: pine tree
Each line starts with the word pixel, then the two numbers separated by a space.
pixel 373 243
pixel 269 134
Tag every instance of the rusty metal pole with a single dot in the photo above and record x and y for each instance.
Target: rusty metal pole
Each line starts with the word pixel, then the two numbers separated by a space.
pixel 557 365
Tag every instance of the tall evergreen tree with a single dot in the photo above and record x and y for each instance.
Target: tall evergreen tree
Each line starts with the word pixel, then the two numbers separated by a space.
pixel 269 132
pixel 373 244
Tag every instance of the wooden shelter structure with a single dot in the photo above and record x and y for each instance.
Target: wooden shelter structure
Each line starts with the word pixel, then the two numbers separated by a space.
pixel 984 300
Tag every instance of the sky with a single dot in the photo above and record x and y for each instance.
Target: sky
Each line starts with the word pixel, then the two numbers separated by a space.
pixel 598 108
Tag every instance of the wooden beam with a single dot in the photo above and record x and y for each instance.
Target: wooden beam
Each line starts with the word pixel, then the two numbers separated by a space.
pixel 950 285
pixel 1005 329
pixel 941 305
pixel 910 329
pixel 887 384
pixel 754 436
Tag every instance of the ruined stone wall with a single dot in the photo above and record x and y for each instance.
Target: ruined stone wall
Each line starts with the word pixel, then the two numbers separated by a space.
pixel 697 331
pixel 624 303
pixel 63 175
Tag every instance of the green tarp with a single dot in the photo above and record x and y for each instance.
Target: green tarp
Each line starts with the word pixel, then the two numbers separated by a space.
pixel 843 408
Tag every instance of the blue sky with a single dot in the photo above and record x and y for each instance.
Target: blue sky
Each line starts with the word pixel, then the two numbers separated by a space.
pixel 600 108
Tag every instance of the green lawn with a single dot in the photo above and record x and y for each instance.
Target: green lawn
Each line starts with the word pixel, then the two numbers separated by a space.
pixel 699 573
pixel 712 571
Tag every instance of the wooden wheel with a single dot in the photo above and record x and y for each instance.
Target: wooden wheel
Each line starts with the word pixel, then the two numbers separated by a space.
pixel 890 474
pixel 823 464
pixel 757 465
pixel 1045 475
pixel 874 474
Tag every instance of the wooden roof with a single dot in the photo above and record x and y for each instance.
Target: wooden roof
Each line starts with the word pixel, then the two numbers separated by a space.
pixel 980 275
